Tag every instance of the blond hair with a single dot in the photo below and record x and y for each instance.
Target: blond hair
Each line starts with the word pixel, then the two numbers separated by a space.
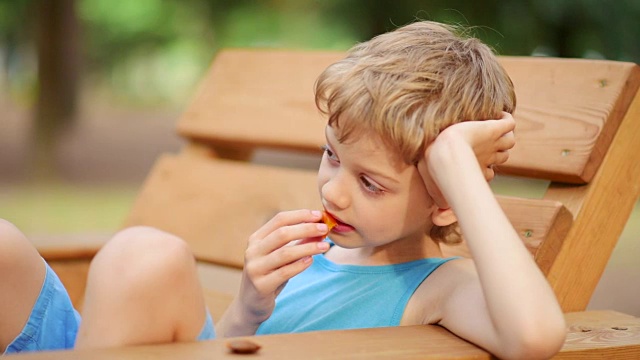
pixel 410 84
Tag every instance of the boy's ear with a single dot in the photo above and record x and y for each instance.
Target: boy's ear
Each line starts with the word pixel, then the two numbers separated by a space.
pixel 443 217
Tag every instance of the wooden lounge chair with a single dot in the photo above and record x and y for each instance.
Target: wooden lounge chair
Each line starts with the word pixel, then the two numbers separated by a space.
pixel 254 140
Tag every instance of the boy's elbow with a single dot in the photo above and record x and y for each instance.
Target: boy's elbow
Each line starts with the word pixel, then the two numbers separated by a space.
pixel 537 342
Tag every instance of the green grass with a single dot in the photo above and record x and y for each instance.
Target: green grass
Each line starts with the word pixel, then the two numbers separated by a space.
pixel 66 208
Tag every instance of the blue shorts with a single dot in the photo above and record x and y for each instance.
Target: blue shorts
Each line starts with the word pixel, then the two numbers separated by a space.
pixel 53 323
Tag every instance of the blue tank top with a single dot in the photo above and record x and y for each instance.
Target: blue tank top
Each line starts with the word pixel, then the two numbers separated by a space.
pixel 330 296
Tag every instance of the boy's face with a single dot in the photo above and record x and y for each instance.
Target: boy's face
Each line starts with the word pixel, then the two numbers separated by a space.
pixel 376 198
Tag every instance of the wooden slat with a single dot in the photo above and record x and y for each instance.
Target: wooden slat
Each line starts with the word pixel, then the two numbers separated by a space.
pixel 217 303
pixel 533 219
pixel 256 97
pixel 568 109
pixel 602 212
pixel 601 335
pixel 69 246
pixel 216 205
pixel 73 274
pixel 405 342
pixel 610 335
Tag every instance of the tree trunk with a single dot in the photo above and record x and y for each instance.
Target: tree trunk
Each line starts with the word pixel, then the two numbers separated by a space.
pixel 58 75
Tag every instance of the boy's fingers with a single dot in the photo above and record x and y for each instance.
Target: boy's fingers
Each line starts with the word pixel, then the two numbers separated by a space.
pixel 288 255
pixel 508 120
pixel 276 278
pixel 489 173
pixel 287 218
pixel 502 126
pixel 283 235
pixel 506 141
pixel 501 157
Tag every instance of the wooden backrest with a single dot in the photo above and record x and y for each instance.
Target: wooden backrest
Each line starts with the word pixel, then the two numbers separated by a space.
pixel 578 126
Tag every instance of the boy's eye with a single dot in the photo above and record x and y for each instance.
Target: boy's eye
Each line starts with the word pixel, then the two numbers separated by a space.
pixel 369 186
pixel 330 154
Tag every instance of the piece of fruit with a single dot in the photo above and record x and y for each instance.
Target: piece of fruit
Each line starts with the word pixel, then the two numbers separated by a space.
pixel 329 220
pixel 242 346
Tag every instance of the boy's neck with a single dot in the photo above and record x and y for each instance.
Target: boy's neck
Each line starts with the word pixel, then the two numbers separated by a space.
pixel 394 253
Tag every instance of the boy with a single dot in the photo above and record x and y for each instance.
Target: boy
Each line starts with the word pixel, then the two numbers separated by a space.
pixel 400 167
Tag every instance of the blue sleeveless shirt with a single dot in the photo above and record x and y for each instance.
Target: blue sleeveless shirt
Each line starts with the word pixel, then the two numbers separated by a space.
pixel 330 296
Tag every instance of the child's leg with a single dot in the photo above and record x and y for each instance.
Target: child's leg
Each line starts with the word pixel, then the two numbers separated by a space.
pixel 22 273
pixel 142 288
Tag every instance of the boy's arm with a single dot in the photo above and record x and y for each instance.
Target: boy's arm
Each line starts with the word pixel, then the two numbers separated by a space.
pixel 505 304
pixel 273 256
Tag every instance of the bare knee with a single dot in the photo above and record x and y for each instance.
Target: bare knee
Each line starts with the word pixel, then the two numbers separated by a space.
pixel 141 254
pixel 15 248
pixel 142 276
pixel 22 272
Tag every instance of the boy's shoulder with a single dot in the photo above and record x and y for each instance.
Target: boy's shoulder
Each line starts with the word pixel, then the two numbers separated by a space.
pixel 428 302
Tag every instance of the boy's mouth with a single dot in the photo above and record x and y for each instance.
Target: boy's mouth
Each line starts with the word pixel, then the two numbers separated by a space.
pixel 329 220
pixel 334 223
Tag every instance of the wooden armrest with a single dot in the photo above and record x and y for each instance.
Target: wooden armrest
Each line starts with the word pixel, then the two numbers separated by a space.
pixel 591 335
pixel 407 342
pixel 601 335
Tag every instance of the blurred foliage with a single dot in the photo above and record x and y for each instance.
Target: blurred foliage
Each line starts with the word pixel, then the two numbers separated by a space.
pixel 58 208
pixel 158 49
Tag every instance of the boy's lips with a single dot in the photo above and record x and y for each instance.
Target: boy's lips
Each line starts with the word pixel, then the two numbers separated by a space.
pixel 341 226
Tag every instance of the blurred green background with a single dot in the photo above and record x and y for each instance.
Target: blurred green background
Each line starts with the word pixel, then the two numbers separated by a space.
pixel 90 90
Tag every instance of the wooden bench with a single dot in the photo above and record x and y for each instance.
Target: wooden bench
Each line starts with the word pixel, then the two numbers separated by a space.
pixel 254 140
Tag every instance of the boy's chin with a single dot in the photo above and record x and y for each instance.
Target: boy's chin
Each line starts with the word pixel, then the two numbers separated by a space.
pixel 345 241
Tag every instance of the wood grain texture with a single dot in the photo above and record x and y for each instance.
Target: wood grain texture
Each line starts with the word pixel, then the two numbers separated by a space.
pixel 408 342
pixel 591 335
pixel 535 220
pixel 601 215
pixel 601 335
pixel 216 205
pixel 259 98
pixel 568 109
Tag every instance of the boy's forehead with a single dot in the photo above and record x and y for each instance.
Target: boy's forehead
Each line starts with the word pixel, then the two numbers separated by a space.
pixel 365 144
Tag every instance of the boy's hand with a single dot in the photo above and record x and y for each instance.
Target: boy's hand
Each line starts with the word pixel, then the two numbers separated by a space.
pixel 490 141
pixel 273 256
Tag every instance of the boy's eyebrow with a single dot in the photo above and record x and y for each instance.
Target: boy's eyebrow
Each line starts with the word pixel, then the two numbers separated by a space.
pixel 378 174
pixel 364 168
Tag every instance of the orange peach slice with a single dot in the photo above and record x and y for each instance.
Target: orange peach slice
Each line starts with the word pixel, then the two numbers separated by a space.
pixel 329 220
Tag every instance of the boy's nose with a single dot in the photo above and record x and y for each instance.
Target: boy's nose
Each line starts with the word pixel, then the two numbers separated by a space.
pixel 334 194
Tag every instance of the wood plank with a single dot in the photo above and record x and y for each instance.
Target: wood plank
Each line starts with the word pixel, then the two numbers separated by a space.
pixel 535 221
pixel 259 97
pixel 405 342
pixel 217 303
pixel 568 109
pixel 591 335
pixel 73 274
pixel 216 205
pixel 69 246
pixel 601 335
pixel 603 212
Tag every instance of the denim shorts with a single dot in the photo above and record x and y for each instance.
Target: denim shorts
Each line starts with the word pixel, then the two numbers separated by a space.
pixel 53 323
